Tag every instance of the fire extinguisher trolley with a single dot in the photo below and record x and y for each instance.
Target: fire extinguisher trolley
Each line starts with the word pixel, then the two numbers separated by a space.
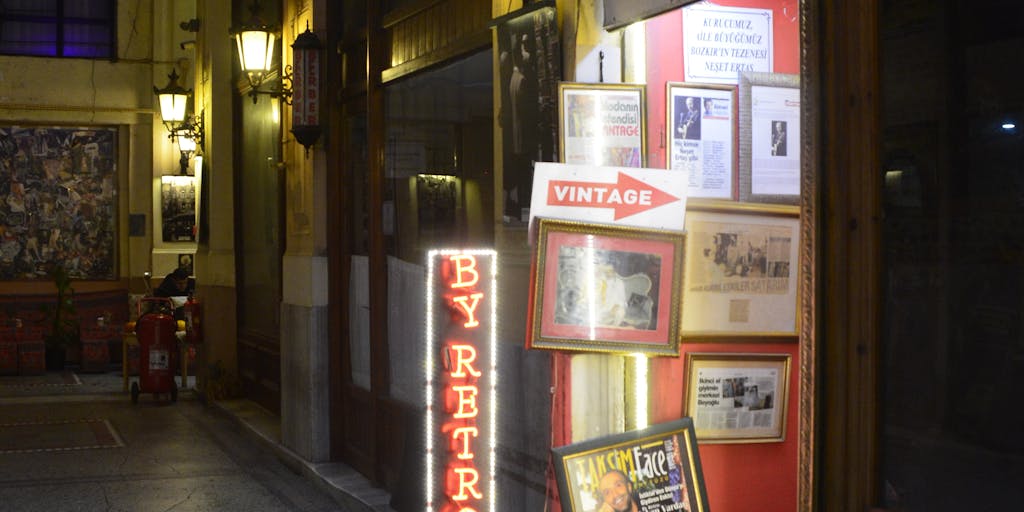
pixel 158 348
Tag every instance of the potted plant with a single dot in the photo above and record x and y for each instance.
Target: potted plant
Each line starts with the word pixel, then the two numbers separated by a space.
pixel 63 325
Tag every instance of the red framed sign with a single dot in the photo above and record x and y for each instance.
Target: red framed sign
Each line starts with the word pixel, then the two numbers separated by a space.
pixel 606 288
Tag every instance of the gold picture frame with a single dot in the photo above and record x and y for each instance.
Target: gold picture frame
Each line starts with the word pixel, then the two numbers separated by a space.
pixel 702 143
pixel 602 124
pixel 737 397
pixel 606 288
pixel 742 281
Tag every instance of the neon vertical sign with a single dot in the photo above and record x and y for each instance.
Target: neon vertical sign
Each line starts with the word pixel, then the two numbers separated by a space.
pixel 461 380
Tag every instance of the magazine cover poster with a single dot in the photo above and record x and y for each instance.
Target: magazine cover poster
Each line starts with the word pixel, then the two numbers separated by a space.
pixel 656 469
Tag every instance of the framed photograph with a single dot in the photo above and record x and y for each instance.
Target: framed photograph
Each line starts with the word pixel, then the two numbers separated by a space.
pixel 602 124
pixel 769 138
pixel 701 140
pixel 741 272
pixel 606 288
pixel 737 398
pixel 651 470
pixel 178 208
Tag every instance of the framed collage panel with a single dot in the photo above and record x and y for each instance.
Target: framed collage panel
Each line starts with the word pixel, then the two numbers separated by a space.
pixel 737 398
pixel 606 288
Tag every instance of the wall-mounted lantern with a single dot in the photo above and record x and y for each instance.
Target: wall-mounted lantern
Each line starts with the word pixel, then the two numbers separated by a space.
pixel 300 82
pixel 186 130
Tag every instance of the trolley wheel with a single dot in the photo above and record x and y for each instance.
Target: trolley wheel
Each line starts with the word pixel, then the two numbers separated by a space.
pixel 135 392
pixel 174 392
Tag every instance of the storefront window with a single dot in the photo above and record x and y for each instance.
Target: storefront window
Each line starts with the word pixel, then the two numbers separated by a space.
pixel 954 343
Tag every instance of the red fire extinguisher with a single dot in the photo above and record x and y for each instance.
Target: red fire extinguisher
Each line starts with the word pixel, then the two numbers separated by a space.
pixel 193 320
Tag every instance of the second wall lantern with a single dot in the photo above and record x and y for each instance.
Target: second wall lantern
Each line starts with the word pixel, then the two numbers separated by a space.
pixel 300 83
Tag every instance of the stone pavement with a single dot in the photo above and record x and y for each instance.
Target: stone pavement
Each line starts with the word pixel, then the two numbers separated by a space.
pixel 75 442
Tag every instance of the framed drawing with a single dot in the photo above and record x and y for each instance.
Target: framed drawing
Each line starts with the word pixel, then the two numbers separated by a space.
pixel 606 288
pixel 654 469
pixel 741 272
pixel 59 187
pixel 602 124
pixel 769 138
pixel 737 398
pixel 701 140
pixel 178 208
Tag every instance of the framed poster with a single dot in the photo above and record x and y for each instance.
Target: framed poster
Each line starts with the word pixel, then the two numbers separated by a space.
pixel 651 470
pixel 59 187
pixel 529 63
pixel 737 398
pixel 701 140
pixel 741 272
pixel 606 288
pixel 178 208
pixel 602 124
pixel 769 138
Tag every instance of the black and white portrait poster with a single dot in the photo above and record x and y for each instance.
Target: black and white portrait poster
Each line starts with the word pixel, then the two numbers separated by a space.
pixel 530 67
pixel 58 201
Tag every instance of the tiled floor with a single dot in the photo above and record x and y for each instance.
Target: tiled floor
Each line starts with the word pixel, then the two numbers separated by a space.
pixel 79 433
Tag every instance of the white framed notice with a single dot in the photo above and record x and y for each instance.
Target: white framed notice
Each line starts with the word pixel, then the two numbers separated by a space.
pixel 701 138
pixel 602 124
pixel 769 159
pixel 719 42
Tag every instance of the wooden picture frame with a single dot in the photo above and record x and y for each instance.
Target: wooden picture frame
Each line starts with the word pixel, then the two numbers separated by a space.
pixel 737 398
pixel 606 288
pixel 602 124
pixel 769 126
pixel 741 273
pixel 701 137
pixel 657 467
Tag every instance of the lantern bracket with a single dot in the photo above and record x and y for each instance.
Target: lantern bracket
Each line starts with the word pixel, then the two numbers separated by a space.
pixel 284 92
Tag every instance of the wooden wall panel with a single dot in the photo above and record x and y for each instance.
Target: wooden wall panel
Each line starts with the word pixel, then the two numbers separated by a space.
pixel 433 31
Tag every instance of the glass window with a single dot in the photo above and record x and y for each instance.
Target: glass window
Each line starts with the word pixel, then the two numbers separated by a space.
pixel 58 28
pixel 954 193
pixel 439 159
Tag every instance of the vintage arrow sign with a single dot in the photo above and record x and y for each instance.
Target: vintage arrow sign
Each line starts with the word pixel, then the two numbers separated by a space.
pixel 628 196
pixel 647 198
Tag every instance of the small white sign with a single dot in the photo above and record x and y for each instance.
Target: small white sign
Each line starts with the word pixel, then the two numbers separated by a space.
pixel 628 196
pixel 720 42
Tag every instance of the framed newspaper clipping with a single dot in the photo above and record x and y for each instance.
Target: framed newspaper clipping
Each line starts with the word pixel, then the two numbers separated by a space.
pixel 654 469
pixel 769 138
pixel 741 272
pixel 602 124
pixel 737 398
pixel 701 140
pixel 606 288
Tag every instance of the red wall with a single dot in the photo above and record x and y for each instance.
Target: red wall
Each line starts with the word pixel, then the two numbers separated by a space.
pixel 739 477
pixel 665 60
